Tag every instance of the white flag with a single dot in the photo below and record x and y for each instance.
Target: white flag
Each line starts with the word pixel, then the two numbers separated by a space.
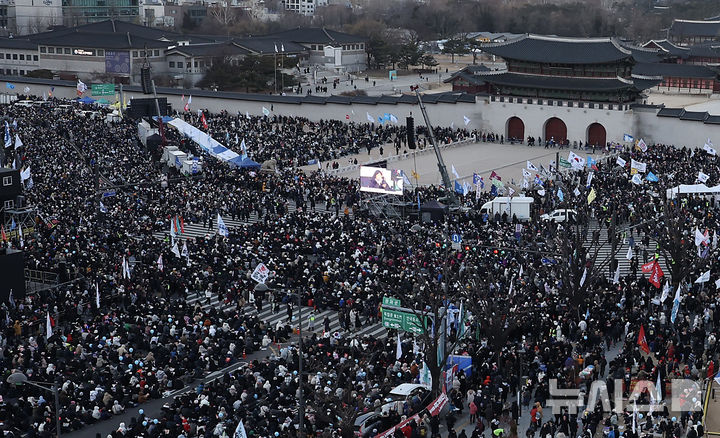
pixel 700 238
pixel 575 160
pixel 126 271
pixel 576 192
pixel 658 389
pixel 240 431
pixel 642 145
pixel 160 263
pixel 584 277
pixel 629 254
pixel 702 177
pixel 531 166
pixel 637 165
pixel 467 120
pixel 620 162
pixel 97 295
pixel 666 292
pixel 398 351
pixel 25 174
pixel 526 174
pixel 454 171
pixel 265 111
pixel 369 117
pixel 184 252
pixel 709 147
pixel 247 115
pixel 717 283
pixel 175 250
pixel 636 179
pixel 704 278
pixel 616 277
pixel 48 328
pixel 222 229
pixel 18 142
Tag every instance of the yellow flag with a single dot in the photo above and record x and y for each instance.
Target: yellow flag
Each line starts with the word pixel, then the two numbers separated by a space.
pixel 414 175
pixel 633 171
pixel 591 195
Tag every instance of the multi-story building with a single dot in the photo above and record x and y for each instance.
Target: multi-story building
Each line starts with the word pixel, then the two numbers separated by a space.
pixel 115 51
pixel 79 12
pixel 328 48
pixel 18 56
pixel 303 7
pixel 33 16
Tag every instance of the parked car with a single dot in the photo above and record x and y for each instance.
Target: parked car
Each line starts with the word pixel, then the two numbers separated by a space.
pixel 560 215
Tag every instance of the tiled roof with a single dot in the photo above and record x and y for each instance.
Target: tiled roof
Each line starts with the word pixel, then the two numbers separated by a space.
pixel 550 49
pixel 695 28
pixel 674 70
pixel 560 82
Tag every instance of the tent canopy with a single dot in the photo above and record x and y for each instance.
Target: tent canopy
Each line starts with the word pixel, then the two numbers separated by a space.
pixel 87 100
pixel 246 163
pixel 700 189
pixel 433 205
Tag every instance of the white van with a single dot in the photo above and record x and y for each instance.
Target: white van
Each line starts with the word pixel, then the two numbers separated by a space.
pixel 520 206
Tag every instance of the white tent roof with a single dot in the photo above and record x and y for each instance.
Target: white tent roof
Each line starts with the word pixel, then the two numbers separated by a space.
pixel 692 188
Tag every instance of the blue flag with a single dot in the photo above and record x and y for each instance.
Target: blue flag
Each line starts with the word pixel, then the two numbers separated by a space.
pixel 9 86
pixel 538 181
pixel 458 188
pixel 652 177
pixel 560 194
pixel 590 161
pixel 493 190
pixel 549 261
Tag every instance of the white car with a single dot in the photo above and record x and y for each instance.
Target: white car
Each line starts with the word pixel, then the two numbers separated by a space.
pixel 560 215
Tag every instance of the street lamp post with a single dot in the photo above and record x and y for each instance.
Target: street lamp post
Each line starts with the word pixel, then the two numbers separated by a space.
pixel 20 378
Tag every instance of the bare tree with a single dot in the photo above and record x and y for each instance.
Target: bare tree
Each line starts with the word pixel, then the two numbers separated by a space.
pixel 223 13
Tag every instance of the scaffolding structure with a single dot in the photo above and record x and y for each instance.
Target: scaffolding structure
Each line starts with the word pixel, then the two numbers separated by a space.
pixel 22 217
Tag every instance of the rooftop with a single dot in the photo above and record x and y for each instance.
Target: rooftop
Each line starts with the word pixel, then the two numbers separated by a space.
pixel 315 35
pixel 521 80
pixel 561 50
pixel 695 28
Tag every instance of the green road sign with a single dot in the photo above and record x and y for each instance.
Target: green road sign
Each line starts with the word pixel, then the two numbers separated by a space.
pixel 388 301
pixel 398 320
pixel 564 163
pixel 103 89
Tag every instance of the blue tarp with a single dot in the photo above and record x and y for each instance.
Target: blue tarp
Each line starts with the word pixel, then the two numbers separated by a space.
pixel 87 100
pixel 247 163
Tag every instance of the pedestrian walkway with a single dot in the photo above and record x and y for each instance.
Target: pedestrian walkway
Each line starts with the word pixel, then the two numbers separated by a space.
pixel 198 230
pixel 309 325
pixel 604 250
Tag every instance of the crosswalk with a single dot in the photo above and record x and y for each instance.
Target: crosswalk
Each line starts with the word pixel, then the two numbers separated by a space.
pixel 309 325
pixel 604 251
pixel 269 317
pixel 198 230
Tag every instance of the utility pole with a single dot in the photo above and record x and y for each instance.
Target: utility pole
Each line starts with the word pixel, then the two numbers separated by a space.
pixel 301 398
pixel 438 155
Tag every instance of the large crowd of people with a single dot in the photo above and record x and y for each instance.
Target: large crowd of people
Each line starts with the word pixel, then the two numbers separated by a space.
pixel 122 332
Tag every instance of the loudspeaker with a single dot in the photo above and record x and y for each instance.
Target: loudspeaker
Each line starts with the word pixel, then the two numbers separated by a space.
pixel 12 271
pixel 146 107
pixel 10 185
pixel 145 80
pixel 410 125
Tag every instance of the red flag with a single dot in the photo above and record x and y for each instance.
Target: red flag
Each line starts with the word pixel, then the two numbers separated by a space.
pixel 642 342
pixel 648 267
pixel 204 122
pixel 494 175
pixel 182 225
pixel 4 237
pixel 656 275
